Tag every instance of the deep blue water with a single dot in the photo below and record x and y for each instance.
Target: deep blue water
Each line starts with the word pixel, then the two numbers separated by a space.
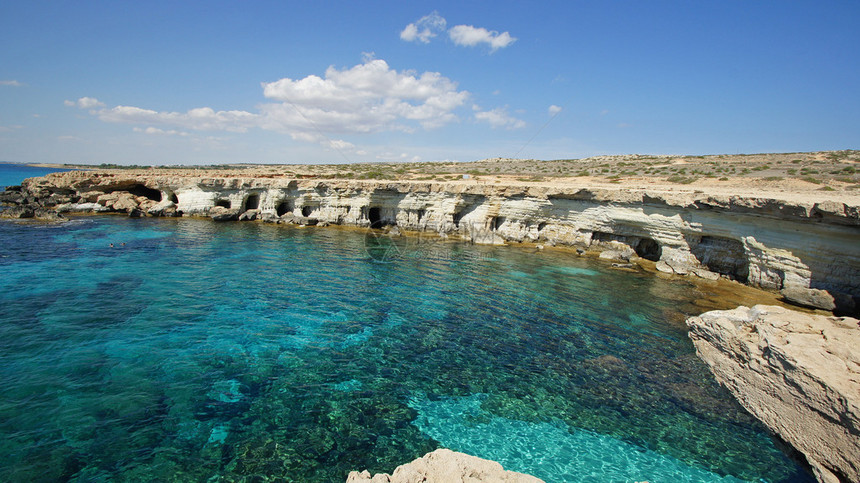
pixel 202 351
pixel 14 174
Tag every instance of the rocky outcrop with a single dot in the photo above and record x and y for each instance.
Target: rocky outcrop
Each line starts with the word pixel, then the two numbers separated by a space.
pixel 445 466
pixel 769 243
pixel 797 373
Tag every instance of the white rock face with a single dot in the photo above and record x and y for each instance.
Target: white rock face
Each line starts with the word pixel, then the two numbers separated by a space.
pixel 767 243
pixel 797 373
pixel 445 466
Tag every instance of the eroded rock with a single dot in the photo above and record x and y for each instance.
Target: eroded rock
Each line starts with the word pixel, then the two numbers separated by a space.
pixel 797 373
pixel 445 466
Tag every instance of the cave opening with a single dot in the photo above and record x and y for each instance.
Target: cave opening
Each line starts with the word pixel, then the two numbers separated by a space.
pixel 723 255
pixel 649 249
pixel 284 207
pixel 252 202
pixel 223 203
pixel 497 222
pixel 375 217
pixel 457 217
pixel 307 210
pixel 174 198
pixel 141 190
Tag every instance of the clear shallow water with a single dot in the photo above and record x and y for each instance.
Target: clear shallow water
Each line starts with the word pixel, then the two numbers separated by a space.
pixel 203 350
pixel 14 174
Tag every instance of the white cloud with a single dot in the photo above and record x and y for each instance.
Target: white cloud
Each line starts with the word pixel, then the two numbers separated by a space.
pixel 11 83
pixel 469 36
pixel 199 119
pixel 499 117
pixel 553 110
pixel 369 97
pixel 340 145
pixel 430 26
pixel 85 103
pixel 424 29
pixel 155 130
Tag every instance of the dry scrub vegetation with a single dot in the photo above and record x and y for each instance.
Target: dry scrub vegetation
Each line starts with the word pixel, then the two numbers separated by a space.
pixel 816 171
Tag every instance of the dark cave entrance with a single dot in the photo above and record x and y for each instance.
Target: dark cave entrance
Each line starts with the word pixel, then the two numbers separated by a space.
pixel 723 255
pixel 307 210
pixel 223 203
pixel 375 217
pixel 141 190
pixel 649 249
pixel 252 202
pixel 284 207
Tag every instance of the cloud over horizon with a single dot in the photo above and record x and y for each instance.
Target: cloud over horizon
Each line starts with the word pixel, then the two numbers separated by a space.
pixel 367 98
pixel 498 118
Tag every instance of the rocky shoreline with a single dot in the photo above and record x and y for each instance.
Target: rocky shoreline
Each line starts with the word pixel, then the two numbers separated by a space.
pixel 807 250
pixel 797 373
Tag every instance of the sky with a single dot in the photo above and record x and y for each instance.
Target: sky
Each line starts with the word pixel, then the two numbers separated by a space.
pixel 169 82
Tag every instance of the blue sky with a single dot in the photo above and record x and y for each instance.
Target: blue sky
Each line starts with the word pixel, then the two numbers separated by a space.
pixel 330 82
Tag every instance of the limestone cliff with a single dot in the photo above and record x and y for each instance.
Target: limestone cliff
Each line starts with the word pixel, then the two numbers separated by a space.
pixel 797 373
pixel 445 466
pixel 765 242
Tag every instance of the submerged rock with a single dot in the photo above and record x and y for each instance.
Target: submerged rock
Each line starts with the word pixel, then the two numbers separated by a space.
pixel 445 466
pixel 797 373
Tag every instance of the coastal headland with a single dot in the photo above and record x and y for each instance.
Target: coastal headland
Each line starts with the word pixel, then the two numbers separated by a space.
pixel 781 233
pixel 786 223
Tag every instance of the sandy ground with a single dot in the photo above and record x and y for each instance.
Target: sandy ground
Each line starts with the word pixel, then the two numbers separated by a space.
pixel 795 177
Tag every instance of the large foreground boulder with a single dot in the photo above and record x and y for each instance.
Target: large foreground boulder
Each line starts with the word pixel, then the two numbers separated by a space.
pixel 445 466
pixel 797 373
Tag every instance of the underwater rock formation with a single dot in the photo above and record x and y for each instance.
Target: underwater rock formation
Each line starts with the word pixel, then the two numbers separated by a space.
pixel 445 466
pixel 797 373
pixel 762 242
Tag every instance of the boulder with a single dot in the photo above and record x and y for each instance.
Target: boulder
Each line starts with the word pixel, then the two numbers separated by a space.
pixel 706 274
pixel 269 218
pixel 818 299
pixel 163 208
pixel 249 215
pixel 18 212
pixel 798 373
pixel 219 213
pixel 445 466
pixel 305 221
pixel 125 202
pixel 678 267
pixel 664 267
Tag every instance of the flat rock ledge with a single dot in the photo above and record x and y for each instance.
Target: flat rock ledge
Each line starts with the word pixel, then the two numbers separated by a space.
pixel 797 373
pixel 445 466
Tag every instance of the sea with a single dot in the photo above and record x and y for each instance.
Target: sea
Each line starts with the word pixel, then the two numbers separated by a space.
pixel 187 350
pixel 13 174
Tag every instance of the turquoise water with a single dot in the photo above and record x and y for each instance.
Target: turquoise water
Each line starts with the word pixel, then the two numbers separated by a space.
pixel 248 352
pixel 14 174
